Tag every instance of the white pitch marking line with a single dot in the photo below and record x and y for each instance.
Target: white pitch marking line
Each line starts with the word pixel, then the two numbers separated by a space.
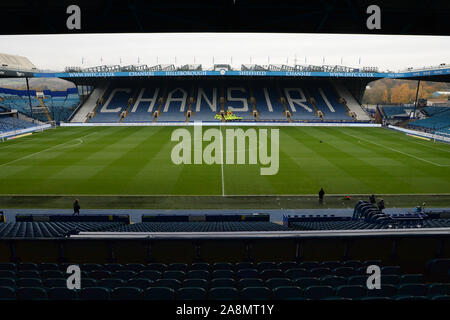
pixel 406 154
pixel 33 154
pixel 221 162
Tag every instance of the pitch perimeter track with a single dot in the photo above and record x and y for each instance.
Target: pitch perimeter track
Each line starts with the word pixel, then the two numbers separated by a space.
pixel 214 202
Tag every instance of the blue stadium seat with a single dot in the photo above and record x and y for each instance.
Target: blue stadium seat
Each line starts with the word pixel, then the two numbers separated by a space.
pixel 55 283
pixel 7 274
pixel 410 298
pixel 110 283
pixel 352 264
pixel 159 293
pixel 168 283
pixel 390 270
pixel 307 282
pixel 318 292
pixel 124 275
pixel 433 289
pixel 7 282
pixel 297 273
pixel 191 293
pixel 99 274
pixel 266 265
pixel 94 293
pixel 222 266
pixel 333 281
pixel 28 274
pixel 222 282
pixel 198 283
pixel 161 267
pixel 271 273
pixel 386 290
pixel 27 267
pixel 177 267
pixel 287 293
pixel 134 267
pixel 358 280
pixel 244 265
pixel 60 293
pixel 201 266
pixel 88 282
pixel 126 293
pixel 223 293
pixel 351 291
pixel 330 264
pixel 113 267
pixel 441 297
pixel 255 293
pixel 376 298
pixel 286 265
pixel 390 279
pixel 48 267
pixel 7 293
pixel 226 273
pixel 247 273
pixel 8 267
pixel 198 274
pixel 411 278
pixel 174 274
pixel 346 272
pixel 250 282
pixel 48 274
pixel 139 283
pixel 320 272
pixel 411 290
pixel 90 267
pixel 278 282
pixel 31 293
pixel 309 265
pixel 149 274
pixel 29 282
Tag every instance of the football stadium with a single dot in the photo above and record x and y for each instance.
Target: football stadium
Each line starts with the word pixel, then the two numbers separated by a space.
pixel 202 183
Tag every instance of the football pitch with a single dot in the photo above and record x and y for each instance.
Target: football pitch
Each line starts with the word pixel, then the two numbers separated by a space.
pixel 136 162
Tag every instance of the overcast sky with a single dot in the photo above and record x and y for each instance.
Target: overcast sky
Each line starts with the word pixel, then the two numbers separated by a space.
pixel 384 51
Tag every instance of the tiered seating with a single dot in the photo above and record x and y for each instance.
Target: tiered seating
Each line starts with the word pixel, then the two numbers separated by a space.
pixel 431 111
pixel 219 226
pixel 289 280
pixel 437 122
pixel 50 229
pixel 60 104
pixel 395 111
pixel 8 123
pixel 362 225
pixel 115 103
pixel 206 97
pixel 324 93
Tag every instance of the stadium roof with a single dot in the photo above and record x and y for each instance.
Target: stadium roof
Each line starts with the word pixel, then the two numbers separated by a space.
pixel 17 63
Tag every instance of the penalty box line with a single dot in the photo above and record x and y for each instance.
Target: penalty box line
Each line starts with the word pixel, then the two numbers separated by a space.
pixel 50 148
pixel 395 150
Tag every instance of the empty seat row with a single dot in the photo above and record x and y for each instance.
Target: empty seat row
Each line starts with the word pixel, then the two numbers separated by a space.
pixel 218 293
pixel 195 266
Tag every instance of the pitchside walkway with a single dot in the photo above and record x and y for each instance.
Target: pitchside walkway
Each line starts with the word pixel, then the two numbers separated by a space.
pixel 276 215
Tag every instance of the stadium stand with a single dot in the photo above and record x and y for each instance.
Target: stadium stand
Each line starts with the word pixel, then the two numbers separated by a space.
pixel 439 121
pixel 53 105
pixel 23 278
pixel 9 123
pixel 397 112
pixel 288 280
pixel 261 101
pixel 431 111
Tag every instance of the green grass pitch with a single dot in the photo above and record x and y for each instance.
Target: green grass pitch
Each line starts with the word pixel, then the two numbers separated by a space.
pixel 136 161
